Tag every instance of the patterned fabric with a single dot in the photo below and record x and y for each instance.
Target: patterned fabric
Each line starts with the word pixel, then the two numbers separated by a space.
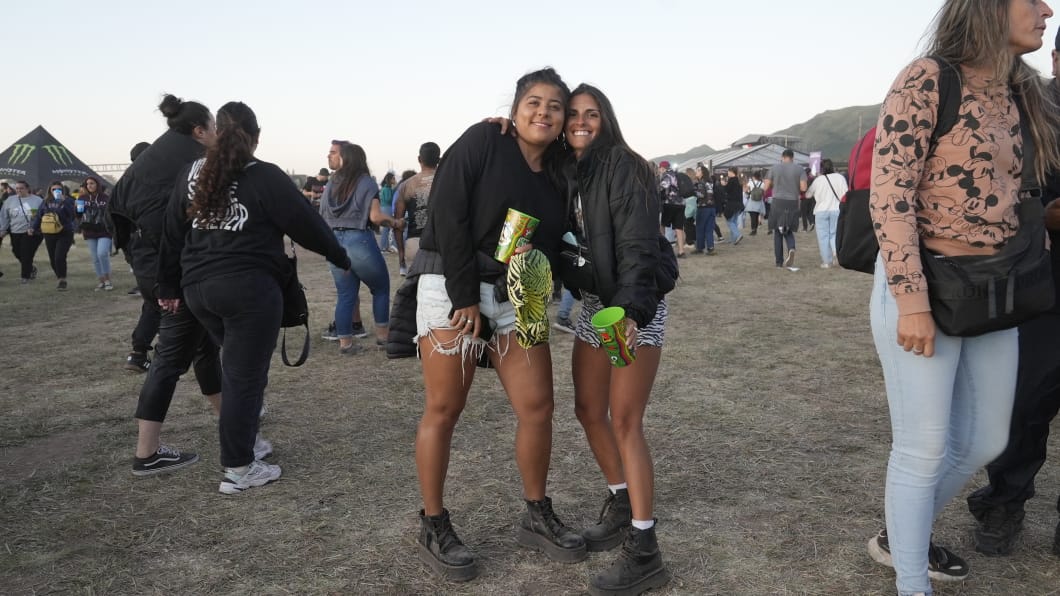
pixel 960 198
pixel 529 287
pixel 651 335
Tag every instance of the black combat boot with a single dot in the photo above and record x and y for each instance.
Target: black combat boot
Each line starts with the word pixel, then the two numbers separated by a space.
pixel 998 530
pixel 441 549
pixel 611 529
pixel 540 529
pixel 639 567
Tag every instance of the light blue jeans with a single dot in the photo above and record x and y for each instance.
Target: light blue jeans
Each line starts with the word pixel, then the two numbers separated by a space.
pixel 566 304
pixel 734 227
pixel 949 417
pixel 825 225
pixel 99 248
pixel 367 266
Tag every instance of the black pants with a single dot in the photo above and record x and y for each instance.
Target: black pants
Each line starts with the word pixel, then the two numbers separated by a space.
pixel 182 341
pixel 24 247
pixel 690 230
pixel 58 247
pixel 754 221
pixel 806 212
pixel 242 313
pixel 1012 474
pixel 147 325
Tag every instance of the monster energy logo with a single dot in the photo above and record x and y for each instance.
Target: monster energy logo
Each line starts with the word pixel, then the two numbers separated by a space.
pixel 20 153
pixel 59 154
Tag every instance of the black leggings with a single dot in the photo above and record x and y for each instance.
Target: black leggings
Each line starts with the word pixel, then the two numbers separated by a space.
pixel 58 247
pixel 25 248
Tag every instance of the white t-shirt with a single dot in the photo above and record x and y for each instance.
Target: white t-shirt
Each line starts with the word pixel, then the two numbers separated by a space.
pixel 827 200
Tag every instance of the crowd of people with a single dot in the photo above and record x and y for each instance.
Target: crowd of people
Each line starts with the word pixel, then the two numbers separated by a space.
pixel 203 223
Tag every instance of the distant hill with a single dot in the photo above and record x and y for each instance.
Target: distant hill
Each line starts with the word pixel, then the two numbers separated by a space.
pixel 834 132
pixel 691 153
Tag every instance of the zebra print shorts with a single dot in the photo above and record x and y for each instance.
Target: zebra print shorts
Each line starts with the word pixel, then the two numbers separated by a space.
pixel 651 335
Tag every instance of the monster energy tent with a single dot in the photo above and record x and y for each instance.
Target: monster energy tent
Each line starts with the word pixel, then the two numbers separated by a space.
pixel 39 159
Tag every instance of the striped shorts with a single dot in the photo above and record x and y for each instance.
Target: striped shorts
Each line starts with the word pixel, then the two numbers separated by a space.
pixel 651 335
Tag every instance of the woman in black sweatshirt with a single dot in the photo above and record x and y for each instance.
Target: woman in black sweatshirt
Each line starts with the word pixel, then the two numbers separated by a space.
pixel 459 316
pixel 223 248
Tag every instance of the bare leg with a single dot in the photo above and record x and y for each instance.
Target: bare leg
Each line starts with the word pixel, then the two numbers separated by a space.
pixel 527 379
pixel 447 380
pixel 591 371
pixel 630 390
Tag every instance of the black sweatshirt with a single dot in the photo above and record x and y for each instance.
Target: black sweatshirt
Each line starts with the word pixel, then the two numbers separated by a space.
pixel 265 206
pixel 480 177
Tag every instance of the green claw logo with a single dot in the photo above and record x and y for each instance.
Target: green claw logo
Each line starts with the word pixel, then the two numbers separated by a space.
pixel 20 153
pixel 59 154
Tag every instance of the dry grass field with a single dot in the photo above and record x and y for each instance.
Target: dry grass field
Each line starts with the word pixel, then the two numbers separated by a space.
pixel 768 425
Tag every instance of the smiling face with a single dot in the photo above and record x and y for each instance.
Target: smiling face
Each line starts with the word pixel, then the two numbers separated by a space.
pixel 1026 25
pixel 22 190
pixel 538 117
pixel 583 122
pixel 91 186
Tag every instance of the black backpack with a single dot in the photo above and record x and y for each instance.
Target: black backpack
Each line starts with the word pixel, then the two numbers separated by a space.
pixel 685 188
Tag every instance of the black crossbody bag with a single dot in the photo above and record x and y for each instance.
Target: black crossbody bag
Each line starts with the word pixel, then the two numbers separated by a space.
pixel 295 311
pixel 973 295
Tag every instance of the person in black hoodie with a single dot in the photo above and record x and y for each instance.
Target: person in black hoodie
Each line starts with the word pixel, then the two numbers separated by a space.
pixel 223 252
pixel 614 215
pixel 135 214
pixel 459 317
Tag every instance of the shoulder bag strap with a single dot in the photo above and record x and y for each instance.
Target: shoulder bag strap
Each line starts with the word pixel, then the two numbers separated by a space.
pixel 283 342
pixel 831 187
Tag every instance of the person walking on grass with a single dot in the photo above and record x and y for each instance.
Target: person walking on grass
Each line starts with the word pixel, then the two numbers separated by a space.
pixel 16 219
pixel 412 201
pixel 826 192
pixel 787 181
pixel 55 221
pixel 950 398
pixel 94 230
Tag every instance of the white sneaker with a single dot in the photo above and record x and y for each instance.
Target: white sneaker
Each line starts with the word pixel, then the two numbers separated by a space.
pixel 262 448
pixel 258 474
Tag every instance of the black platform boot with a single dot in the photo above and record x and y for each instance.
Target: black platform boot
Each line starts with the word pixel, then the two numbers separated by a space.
pixel 540 529
pixel 611 529
pixel 442 550
pixel 639 567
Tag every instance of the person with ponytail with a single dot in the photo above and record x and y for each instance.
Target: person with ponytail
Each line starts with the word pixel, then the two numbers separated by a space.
pixel 134 217
pixel 223 253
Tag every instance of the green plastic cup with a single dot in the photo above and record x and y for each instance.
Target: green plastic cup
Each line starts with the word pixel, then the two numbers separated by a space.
pixel 517 230
pixel 610 326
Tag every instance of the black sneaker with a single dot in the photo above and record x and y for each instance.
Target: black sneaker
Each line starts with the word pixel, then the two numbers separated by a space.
pixel 943 565
pixel 540 529
pixel 997 531
pixel 137 362
pixel 613 524
pixel 133 292
pixel 61 286
pixel 358 330
pixel 33 272
pixel 330 334
pixel 166 459
pixel 441 549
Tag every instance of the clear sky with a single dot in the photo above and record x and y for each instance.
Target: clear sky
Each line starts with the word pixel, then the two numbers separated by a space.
pixel 391 74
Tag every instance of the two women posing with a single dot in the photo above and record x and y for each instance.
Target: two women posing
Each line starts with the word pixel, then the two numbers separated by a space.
pixel 613 212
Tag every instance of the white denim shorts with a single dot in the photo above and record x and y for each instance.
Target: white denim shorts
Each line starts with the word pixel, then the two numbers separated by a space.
pixel 433 311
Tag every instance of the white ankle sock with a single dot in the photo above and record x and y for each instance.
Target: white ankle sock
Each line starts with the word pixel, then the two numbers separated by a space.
pixel 616 487
pixel 641 524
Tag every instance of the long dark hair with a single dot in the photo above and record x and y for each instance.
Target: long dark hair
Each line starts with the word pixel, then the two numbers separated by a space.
pixel 354 164
pixel 237 135
pixel 556 153
pixel 610 134
pixel 183 116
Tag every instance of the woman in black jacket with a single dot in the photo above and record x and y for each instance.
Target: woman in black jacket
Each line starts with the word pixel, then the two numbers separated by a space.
pixel 734 205
pixel 614 216
pixel 224 252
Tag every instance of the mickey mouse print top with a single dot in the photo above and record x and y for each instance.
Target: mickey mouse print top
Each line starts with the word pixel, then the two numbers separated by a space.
pixel 961 198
